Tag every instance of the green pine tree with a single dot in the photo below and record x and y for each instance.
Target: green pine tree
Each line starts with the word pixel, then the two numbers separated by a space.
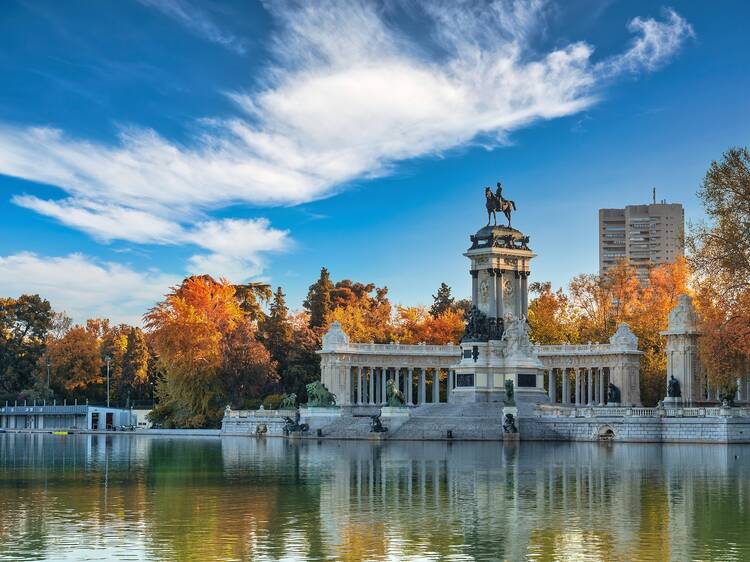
pixel 442 301
pixel 278 331
pixel 318 301
pixel 135 365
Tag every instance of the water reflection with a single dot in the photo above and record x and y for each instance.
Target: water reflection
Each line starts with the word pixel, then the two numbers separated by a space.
pixel 137 497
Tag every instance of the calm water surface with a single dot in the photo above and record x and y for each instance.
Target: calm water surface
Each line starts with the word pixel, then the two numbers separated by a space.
pixel 155 498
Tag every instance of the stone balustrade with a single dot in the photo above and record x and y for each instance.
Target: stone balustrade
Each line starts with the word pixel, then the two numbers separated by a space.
pixel 546 410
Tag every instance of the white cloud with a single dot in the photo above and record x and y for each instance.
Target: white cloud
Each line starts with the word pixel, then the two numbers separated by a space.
pixel 84 287
pixel 235 246
pixel 654 45
pixel 350 95
pixel 197 21
pixel 105 222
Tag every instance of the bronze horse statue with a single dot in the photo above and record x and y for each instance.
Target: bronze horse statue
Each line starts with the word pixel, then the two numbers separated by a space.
pixel 495 202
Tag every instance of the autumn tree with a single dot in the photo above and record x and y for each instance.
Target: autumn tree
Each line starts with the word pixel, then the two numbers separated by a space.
pixel 113 345
pixel 303 363
pixel 76 364
pixel 206 347
pixel 415 324
pixel 366 317
pixel 442 301
pixel 24 323
pixel 551 317
pixel 719 252
pixel 318 301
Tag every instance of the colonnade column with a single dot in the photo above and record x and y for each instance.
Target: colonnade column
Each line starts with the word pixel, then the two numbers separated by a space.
pixel 601 386
pixel 409 385
pixel 422 386
pixel 500 293
pixel 517 293
pixel 524 294
pixel 565 386
pixel 474 286
pixel 578 387
pixel 590 383
pixel 451 382
pixel 492 291
pixel 371 397
pixel 551 386
pixel 397 377
pixel 436 386
pixel 359 384
pixel 383 390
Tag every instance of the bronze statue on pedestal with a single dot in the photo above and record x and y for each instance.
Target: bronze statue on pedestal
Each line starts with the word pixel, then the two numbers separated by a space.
pixel 496 202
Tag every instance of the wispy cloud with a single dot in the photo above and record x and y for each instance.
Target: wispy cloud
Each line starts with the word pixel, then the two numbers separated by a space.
pixel 350 94
pixel 198 22
pixel 83 286
pixel 654 45
pixel 235 246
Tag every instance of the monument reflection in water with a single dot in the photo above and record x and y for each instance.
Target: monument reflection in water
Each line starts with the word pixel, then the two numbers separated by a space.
pixel 131 497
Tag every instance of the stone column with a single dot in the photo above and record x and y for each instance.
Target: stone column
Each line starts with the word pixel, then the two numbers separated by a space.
pixel 436 386
pixel 383 391
pixel 565 386
pixel 422 386
pixel 371 394
pixel 602 391
pixel 451 383
pixel 500 293
pixel 474 287
pixel 397 377
pixel 590 381
pixel 578 387
pixel 409 385
pixel 492 292
pixel 551 386
pixel 517 294
pixel 524 294
pixel 359 385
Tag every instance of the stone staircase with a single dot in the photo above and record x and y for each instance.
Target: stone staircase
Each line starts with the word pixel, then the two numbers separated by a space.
pixel 348 427
pixel 480 421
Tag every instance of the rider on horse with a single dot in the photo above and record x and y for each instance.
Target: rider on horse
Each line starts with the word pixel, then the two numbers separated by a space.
pixel 496 202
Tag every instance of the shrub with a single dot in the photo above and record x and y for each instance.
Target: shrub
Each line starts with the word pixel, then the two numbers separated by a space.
pixel 251 404
pixel 272 401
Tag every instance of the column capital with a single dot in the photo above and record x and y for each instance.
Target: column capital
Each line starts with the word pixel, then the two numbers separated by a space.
pixel 474 273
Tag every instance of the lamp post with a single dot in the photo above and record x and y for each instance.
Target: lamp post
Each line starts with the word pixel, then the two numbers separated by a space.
pixel 108 359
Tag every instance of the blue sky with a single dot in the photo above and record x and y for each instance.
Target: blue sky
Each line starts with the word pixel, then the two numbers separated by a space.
pixel 143 140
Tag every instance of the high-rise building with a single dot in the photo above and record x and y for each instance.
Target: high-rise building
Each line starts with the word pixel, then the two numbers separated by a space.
pixel 643 235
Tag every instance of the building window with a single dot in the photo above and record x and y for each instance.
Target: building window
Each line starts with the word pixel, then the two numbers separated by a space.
pixel 526 381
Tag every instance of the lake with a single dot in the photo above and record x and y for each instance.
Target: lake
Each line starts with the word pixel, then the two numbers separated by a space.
pixel 136 497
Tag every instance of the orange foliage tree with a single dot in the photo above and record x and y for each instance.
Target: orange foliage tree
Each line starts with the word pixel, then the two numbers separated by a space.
pixel 719 251
pixel 206 348
pixel 597 304
pixel 416 324
pixel 76 363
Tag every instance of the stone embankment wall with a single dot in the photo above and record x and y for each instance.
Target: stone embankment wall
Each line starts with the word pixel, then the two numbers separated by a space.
pixel 636 429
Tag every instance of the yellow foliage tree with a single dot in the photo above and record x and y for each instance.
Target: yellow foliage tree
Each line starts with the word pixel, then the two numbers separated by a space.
pixel 189 330
pixel 76 363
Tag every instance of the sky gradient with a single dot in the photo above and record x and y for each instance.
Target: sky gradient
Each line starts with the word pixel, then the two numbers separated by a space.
pixel 144 140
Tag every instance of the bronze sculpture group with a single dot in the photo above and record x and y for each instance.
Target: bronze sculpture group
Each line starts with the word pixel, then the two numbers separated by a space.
pixel 496 202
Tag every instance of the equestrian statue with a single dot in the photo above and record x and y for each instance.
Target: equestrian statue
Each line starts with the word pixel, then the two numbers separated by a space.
pixel 496 202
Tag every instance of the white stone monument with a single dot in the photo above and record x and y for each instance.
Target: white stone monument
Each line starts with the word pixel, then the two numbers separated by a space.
pixel 682 351
pixel 496 344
